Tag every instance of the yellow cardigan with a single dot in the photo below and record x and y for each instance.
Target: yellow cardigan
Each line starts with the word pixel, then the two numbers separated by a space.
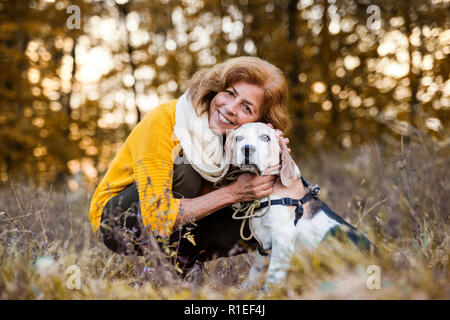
pixel 147 158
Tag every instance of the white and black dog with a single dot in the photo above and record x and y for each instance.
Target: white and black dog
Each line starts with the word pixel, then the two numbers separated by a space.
pixel 295 213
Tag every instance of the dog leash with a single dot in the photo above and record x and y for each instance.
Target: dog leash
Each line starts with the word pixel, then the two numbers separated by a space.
pixel 249 212
pixel 248 208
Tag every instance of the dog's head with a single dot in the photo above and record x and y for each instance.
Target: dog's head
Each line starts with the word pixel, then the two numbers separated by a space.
pixel 255 147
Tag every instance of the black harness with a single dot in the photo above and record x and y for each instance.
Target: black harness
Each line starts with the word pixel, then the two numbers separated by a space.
pixel 298 203
pixel 290 202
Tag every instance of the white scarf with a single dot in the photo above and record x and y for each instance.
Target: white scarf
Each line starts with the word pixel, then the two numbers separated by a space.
pixel 201 146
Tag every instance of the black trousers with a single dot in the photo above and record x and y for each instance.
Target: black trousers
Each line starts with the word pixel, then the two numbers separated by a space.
pixel 216 235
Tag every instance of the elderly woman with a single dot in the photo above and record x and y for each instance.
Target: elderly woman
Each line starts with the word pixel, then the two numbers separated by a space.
pixel 162 179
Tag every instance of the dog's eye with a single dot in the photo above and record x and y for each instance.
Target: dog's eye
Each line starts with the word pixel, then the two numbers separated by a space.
pixel 265 138
pixel 239 138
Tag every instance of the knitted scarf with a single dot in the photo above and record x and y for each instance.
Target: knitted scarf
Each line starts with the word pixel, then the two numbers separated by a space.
pixel 201 146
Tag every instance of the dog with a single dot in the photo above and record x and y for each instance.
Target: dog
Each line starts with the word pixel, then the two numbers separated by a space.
pixel 295 213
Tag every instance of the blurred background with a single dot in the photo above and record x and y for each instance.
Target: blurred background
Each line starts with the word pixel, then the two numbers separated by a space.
pixel 76 76
pixel 369 101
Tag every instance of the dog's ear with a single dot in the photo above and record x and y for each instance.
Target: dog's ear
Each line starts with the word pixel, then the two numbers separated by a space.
pixel 288 171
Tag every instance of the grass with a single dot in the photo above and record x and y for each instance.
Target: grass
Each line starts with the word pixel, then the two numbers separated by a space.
pixel 399 200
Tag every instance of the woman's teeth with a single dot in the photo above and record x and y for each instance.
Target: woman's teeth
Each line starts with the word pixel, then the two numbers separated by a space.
pixel 222 118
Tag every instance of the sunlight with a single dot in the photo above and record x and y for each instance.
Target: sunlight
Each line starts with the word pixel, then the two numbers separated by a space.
pixel 391 42
pixel 351 62
pixel 93 63
pixel 396 70
pixel 319 87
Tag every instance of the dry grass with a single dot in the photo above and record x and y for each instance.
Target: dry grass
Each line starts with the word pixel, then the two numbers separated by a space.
pixel 398 200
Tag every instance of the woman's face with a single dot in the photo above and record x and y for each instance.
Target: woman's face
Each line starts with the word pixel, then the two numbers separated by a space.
pixel 238 104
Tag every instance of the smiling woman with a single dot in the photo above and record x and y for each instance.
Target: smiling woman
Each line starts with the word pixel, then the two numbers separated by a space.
pixel 162 179
pixel 238 104
pixel 256 78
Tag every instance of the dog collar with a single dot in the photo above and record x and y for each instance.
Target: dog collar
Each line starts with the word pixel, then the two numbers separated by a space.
pixel 315 190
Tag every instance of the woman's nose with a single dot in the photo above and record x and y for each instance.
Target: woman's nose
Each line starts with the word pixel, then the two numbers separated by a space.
pixel 231 108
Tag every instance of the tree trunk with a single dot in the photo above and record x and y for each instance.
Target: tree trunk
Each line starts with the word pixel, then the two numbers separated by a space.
pixel 414 79
pixel 325 59
pixel 124 10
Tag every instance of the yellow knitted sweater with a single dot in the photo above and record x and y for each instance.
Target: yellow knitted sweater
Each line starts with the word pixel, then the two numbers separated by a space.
pixel 147 159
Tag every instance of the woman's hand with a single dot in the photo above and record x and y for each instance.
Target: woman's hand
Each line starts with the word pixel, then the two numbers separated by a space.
pixel 249 187
pixel 279 135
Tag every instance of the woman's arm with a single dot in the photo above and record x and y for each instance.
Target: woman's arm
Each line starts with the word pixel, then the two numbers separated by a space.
pixel 246 187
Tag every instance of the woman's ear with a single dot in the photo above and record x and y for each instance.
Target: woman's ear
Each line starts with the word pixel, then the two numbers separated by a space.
pixel 288 171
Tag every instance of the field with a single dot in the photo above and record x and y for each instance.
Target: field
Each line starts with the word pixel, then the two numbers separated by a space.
pixel 398 199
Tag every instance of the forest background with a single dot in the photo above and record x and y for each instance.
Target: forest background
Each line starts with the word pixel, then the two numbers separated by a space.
pixel 369 101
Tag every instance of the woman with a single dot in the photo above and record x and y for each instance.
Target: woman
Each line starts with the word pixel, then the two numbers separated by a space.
pixel 162 179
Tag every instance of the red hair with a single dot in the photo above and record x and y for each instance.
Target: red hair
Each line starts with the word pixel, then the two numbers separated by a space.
pixel 206 83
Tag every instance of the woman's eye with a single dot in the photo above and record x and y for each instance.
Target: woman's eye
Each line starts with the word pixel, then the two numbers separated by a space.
pixel 265 138
pixel 247 108
pixel 231 93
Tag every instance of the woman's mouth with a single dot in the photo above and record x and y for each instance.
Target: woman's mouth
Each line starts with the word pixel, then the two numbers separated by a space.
pixel 222 119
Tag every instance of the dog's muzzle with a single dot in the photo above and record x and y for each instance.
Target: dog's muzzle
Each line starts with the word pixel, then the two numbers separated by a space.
pixel 248 165
pixel 248 150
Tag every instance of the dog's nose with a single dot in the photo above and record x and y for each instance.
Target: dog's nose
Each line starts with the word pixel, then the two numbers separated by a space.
pixel 248 150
